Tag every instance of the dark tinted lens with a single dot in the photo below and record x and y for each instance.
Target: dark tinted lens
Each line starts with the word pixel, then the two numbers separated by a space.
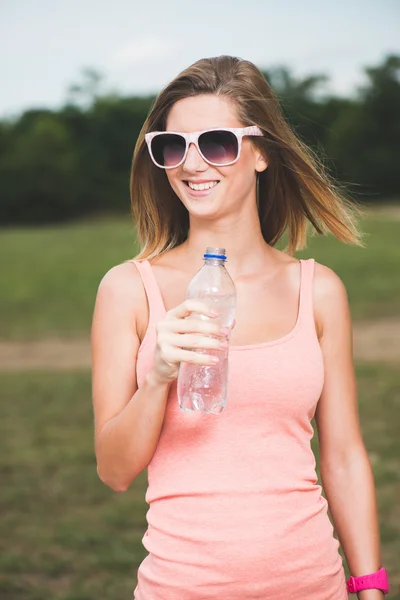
pixel 219 147
pixel 168 149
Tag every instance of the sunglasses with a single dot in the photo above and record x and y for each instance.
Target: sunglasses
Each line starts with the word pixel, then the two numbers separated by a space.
pixel 218 147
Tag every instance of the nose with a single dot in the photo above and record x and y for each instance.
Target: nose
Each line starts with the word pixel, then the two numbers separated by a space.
pixel 194 161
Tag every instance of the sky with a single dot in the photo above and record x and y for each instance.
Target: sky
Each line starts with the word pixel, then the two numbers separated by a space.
pixel 138 46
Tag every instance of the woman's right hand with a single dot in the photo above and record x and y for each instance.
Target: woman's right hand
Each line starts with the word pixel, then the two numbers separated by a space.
pixel 175 333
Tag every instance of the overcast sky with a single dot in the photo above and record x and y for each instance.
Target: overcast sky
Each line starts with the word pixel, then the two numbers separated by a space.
pixel 140 45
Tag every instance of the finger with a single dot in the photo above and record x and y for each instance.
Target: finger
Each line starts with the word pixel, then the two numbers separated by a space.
pixel 192 306
pixel 193 326
pixel 190 356
pixel 197 341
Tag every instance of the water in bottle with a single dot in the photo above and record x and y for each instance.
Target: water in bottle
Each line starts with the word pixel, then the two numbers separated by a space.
pixel 203 387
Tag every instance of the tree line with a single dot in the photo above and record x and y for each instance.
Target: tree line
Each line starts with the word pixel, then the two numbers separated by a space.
pixel 58 165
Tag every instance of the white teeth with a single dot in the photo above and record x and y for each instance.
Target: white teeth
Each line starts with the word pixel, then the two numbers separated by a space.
pixel 202 186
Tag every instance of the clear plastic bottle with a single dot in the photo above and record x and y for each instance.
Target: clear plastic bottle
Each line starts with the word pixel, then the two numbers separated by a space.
pixel 202 387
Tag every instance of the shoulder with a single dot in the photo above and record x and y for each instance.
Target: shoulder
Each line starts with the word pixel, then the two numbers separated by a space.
pixel 121 286
pixel 327 284
pixel 124 275
pixel 331 304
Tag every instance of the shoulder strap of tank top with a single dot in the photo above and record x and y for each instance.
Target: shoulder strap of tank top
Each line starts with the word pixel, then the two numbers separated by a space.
pixel 306 308
pixel 153 292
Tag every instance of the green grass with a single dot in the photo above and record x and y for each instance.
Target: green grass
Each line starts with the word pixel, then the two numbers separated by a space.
pixel 52 274
pixel 65 536
pixel 371 274
pixel 379 409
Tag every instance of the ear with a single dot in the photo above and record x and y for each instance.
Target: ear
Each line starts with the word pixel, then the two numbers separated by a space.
pixel 261 163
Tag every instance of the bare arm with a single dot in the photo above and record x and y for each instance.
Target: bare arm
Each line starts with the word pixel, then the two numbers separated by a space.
pixel 346 472
pixel 128 420
pixel 127 423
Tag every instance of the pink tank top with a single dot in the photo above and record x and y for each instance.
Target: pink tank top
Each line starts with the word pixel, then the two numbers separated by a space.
pixel 235 510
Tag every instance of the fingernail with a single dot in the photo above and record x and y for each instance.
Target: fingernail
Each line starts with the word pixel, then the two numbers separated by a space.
pixel 224 331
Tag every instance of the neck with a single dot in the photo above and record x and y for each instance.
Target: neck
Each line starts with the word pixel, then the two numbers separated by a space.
pixel 239 234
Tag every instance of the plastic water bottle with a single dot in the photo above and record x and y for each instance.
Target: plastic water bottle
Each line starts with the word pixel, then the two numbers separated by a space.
pixel 202 387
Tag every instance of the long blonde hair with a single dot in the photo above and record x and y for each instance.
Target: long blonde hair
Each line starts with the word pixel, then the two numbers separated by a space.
pixel 293 192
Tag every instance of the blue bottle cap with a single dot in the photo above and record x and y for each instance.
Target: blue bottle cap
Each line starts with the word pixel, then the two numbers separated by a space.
pixel 215 253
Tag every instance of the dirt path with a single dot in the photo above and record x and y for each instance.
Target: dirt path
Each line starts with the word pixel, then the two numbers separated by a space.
pixel 377 341
pixel 53 354
pixel 384 211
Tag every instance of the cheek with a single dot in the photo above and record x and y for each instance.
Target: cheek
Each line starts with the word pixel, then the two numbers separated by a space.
pixel 242 178
pixel 247 170
pixel 173 181
pixel 242 186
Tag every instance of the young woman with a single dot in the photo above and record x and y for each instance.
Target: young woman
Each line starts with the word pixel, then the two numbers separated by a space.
pixel 235 508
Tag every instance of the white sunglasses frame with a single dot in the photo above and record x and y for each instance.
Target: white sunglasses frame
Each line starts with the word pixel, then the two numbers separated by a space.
pixel 192 138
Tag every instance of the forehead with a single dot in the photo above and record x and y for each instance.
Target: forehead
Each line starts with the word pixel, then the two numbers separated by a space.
pixel 202 112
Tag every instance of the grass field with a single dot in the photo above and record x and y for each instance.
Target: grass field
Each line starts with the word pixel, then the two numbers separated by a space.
pixel 65 536
pixel 52 274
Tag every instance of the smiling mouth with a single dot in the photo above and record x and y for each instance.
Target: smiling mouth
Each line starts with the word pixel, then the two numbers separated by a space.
pixel 201 186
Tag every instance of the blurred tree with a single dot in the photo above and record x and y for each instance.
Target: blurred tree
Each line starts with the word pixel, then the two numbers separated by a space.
pixel 76 161
pixel 365 137
pixel 37 171
pixel 299 100
pixel 86 91
pixel 104 137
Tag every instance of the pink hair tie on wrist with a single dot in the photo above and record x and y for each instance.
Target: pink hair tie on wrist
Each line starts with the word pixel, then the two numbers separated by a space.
pixel 378 580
